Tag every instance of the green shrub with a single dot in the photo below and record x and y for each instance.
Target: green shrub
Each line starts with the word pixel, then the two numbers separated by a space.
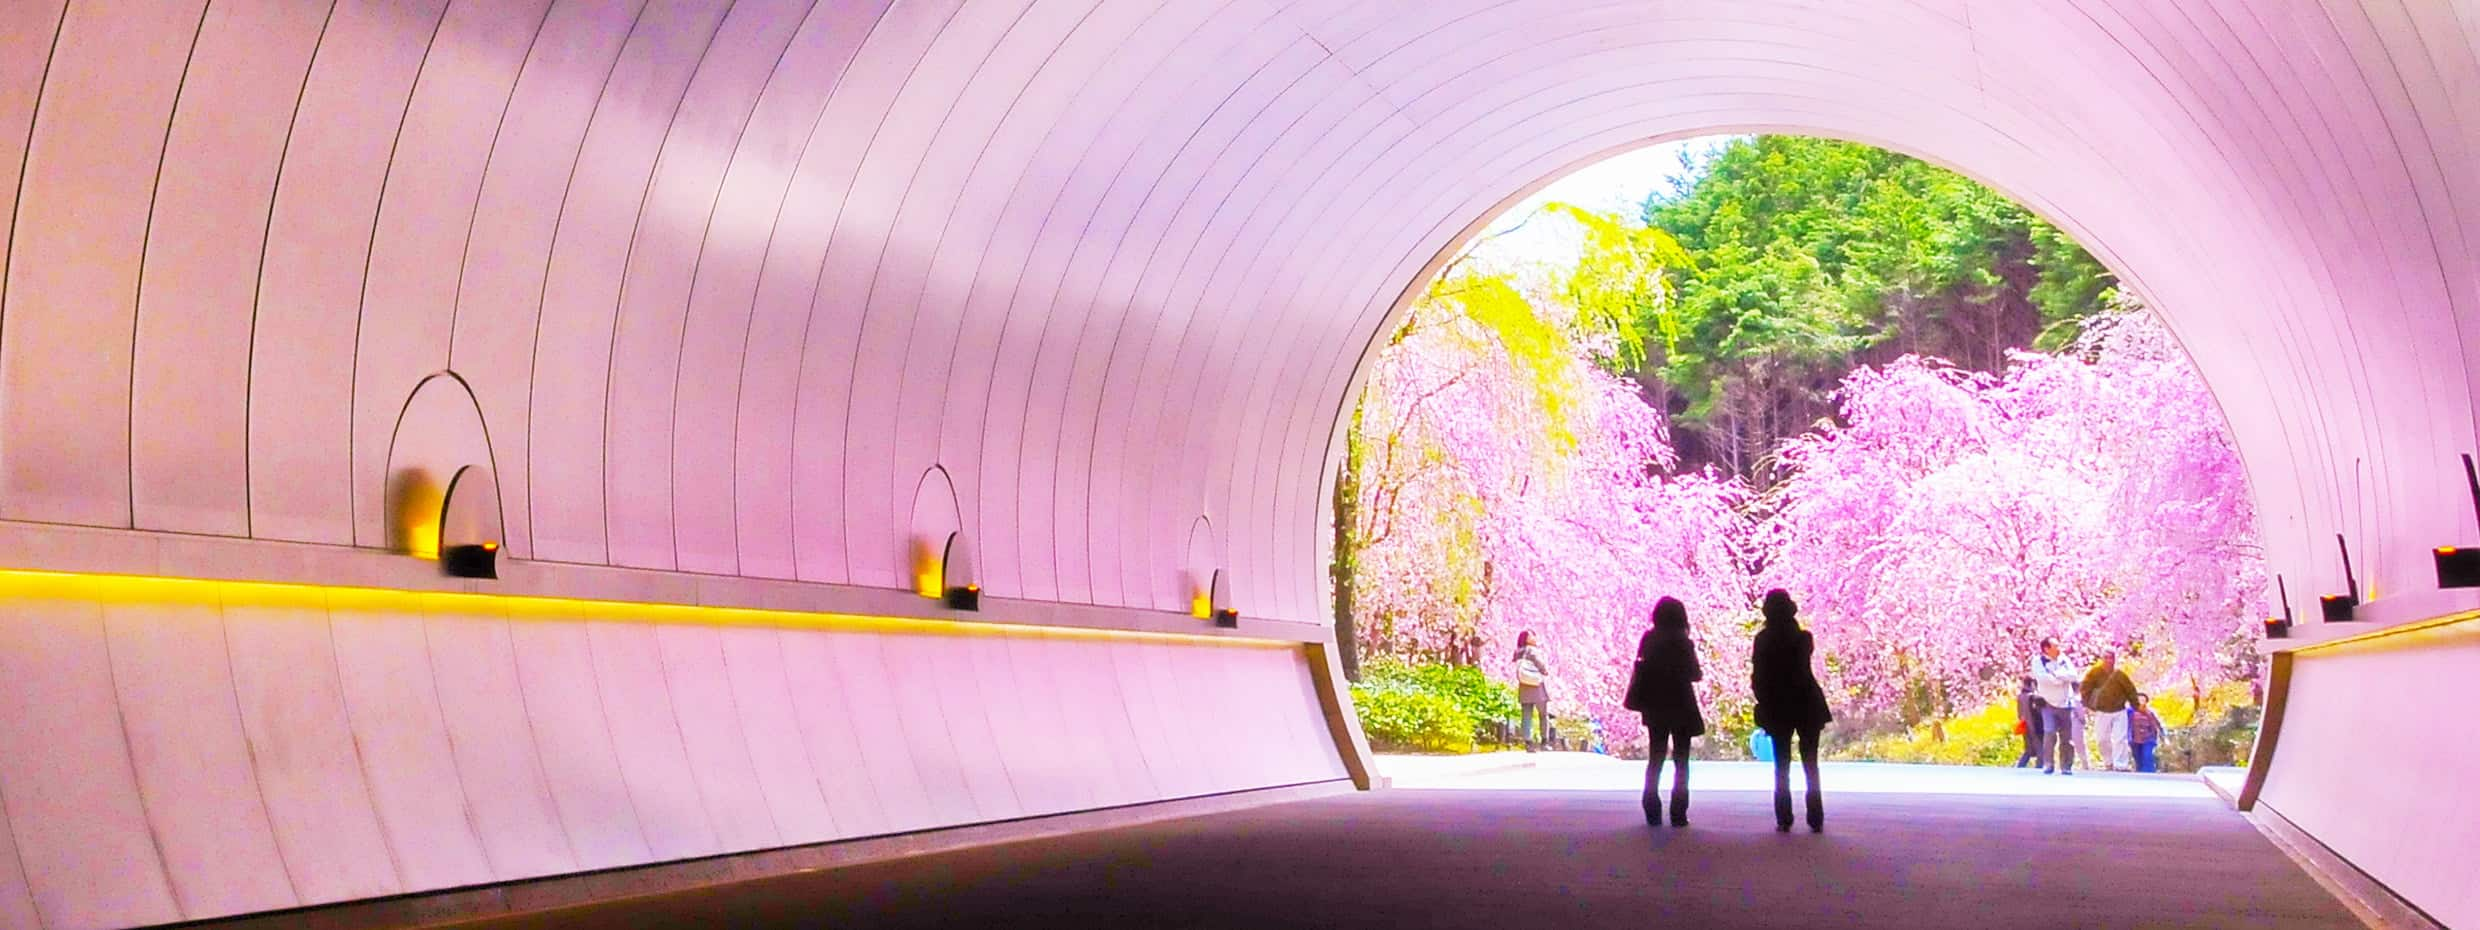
pixel 1399 718
pixel 2226 738
pixel 1464 685
pixel 1419 707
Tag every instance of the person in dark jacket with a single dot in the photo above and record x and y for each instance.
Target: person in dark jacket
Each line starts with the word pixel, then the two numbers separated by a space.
pixel 1789 704
pixel 1663 690
pixel 2028 722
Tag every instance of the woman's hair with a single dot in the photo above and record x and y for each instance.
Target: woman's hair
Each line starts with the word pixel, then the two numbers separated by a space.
pixel 1779 610
pixel 1669 614
pixel 1523 639
pixel 2029 684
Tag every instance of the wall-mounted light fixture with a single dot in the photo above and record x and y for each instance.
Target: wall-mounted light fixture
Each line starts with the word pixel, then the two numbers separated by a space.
pixel 476 561
pixel 2337 607
pixel 468 525
pixel 961 590
pixel 2459 566
pixel 1214 603
pixel 943 571
pixel 2280 627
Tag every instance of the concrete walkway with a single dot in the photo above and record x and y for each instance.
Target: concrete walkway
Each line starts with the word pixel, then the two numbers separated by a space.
pixel 1576 771
pixel 1557 845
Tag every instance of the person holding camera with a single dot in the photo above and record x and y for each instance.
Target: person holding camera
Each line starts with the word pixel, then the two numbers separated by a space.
pixel 1532 690
pixel 2055 683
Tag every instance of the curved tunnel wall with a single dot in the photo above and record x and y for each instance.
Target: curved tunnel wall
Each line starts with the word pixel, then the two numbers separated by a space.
pixel 179 749
pixel 725 277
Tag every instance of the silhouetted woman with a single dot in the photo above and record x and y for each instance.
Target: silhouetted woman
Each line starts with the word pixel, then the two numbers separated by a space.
pixel 1663 690
pixel 1789 704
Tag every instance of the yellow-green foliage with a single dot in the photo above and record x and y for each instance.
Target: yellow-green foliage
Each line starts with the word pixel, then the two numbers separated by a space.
pixel 1538 348
pixel 2178 709
pixel 1983 737
pixel 1619 289
pixel 1621 284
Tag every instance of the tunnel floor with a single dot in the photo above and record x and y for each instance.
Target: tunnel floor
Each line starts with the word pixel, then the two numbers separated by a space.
pixel 1500 858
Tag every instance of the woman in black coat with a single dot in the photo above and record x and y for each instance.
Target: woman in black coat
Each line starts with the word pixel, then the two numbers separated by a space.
pixel 1789 704
pixel 1663 690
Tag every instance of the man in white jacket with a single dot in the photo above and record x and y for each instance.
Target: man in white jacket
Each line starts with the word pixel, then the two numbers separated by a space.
pixel 2054 682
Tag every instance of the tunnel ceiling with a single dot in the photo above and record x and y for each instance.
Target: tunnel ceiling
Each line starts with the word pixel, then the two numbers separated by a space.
pixel 724 280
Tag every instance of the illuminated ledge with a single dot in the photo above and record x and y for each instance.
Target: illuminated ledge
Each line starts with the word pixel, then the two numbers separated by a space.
pixel 2400 635
pixel 2391 616
pixel 84 563
pixel 2354 638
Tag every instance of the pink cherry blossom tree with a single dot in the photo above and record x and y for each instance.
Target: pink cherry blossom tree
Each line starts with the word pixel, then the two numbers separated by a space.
pixel 1953 519
pixel 1507 480
pixel 1512 483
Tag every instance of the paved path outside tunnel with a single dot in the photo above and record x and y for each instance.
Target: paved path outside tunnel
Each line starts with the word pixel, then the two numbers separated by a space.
pixel 1555 845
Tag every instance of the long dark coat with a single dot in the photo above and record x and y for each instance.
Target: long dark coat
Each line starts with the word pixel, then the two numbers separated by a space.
pixel 1663 687
pixel 1788 698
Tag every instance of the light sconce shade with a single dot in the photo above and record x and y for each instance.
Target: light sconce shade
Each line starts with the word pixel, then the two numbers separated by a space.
pixel 1218 601
pixel 959 589
pixel 2280 627
pixel 469 525
pixel 2459 567
pixel 2337 607
pixel 968 597
pixel 470 561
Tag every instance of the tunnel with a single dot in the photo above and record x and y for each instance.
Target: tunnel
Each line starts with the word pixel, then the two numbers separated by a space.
pixel 850 397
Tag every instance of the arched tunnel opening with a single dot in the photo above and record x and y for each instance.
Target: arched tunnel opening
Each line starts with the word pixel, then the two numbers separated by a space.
pixel 1723 364
pixel 900 428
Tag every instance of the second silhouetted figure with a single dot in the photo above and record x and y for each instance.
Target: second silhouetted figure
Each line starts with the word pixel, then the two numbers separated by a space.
pixel 1663 690
pixel 1789 704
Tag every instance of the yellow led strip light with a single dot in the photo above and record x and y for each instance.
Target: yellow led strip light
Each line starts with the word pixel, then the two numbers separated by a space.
pixel 152 589
pixel 2404 635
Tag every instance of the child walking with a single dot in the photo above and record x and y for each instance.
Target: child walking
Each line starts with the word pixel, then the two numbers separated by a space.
pixel 2144 733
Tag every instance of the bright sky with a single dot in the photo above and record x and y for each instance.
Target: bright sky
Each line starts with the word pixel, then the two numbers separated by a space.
pixel 1617 185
